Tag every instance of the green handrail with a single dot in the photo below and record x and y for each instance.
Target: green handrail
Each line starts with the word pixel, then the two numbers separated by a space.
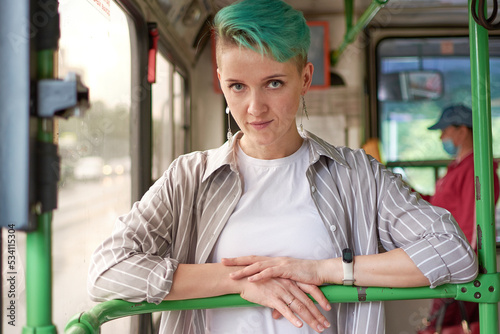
pixel 353 31
pixel 483 167
pixel 484 288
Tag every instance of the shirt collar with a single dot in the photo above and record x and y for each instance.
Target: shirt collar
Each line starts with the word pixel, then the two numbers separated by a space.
pixel 319 147
pixel 226 154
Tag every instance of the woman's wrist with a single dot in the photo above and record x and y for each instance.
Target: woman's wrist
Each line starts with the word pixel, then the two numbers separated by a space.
pixel 331 271
pixel 232 286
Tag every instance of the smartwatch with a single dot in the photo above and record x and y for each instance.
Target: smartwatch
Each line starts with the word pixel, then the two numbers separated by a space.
pixel 348 266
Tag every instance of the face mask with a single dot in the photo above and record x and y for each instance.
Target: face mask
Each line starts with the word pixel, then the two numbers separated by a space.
pixel 449 147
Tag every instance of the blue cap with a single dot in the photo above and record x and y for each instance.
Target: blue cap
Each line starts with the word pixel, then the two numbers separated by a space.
pixel 457 114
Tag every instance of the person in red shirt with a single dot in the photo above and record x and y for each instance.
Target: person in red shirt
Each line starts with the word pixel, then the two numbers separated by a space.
pixel 455 192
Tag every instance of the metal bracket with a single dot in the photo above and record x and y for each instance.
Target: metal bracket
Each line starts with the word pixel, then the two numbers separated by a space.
pixel 54 97
pixel 484 289
pixel 64 98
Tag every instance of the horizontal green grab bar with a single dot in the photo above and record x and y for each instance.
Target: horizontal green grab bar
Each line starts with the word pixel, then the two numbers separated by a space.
pixel 422 163
pixel 484 289
pixel 418 163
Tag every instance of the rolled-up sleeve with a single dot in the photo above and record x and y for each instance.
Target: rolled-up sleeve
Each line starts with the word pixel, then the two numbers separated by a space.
pixel 134 263
pixel 428 234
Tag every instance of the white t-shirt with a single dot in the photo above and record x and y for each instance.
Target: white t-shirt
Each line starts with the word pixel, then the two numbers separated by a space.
pixel 275 216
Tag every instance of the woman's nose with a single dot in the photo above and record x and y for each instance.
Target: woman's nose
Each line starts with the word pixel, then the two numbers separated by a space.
pixel 256 105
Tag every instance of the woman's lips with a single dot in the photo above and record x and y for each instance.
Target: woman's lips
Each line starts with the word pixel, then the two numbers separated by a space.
pixel 260 125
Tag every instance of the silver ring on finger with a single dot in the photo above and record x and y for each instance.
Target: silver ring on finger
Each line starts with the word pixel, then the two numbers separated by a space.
pixel 288 304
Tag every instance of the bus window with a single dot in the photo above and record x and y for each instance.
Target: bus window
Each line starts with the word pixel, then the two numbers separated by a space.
pixel 95 184
pixel 403 122
pixel 181 116
pixel 162 117
pixel 170 117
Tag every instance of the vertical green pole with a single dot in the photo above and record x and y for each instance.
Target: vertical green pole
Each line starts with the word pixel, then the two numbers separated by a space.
pixel 483 164
pixel 39 242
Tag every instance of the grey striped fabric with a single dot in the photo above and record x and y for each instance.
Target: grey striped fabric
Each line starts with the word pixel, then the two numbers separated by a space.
pixel 362 204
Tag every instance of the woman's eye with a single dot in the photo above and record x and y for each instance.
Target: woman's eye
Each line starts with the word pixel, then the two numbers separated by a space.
pixel 236 87
pixel 275 84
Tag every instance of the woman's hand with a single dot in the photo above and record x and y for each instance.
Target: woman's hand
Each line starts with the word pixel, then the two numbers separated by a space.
pixel 258 268
pixel 289 299
pixel 390 269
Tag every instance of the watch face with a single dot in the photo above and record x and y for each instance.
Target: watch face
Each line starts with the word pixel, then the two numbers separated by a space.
pixel 347 255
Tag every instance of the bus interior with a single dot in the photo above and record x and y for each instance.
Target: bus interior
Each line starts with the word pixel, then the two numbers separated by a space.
pixel 144 74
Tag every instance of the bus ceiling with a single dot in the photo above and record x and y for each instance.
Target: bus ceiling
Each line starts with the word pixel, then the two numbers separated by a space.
pixel 189 20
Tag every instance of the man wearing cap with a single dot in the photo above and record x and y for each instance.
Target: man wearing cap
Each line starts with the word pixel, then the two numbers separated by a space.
pixel 455 192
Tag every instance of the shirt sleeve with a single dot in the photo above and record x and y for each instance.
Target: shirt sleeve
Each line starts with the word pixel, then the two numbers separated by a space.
pixel 134 263
pixel 428 234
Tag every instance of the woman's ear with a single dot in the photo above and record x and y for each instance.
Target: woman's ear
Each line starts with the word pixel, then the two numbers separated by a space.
pixel 307 74
pixel 220 82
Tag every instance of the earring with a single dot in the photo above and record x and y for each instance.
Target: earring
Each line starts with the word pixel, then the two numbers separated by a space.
pixel 229 132
pixel 304 111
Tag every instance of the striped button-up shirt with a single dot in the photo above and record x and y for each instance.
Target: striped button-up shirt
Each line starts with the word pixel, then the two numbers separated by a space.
pixel 362 204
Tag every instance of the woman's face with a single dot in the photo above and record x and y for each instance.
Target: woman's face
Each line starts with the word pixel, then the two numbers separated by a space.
pixel 263 96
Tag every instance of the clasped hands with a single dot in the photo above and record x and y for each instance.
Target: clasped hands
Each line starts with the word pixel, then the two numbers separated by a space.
pixel 282 283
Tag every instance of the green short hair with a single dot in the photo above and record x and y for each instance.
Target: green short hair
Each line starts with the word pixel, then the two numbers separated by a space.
pixel 270 27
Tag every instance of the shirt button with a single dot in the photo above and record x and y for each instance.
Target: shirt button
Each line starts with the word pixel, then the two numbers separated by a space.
pixel 313 189
pixel 333 228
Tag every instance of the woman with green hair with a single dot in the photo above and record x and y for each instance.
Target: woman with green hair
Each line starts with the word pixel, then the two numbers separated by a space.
pixel 275 211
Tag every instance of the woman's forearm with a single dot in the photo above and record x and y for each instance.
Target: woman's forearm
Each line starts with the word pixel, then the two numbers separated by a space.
pixel 390 269
pixel 202 280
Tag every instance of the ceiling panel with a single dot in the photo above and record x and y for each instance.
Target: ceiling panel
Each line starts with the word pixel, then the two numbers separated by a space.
pixel 311 7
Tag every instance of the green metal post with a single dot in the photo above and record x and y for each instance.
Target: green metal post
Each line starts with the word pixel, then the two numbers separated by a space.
pixel 349 13
pixel 353 31
pixel 483 164
pixel 39 242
